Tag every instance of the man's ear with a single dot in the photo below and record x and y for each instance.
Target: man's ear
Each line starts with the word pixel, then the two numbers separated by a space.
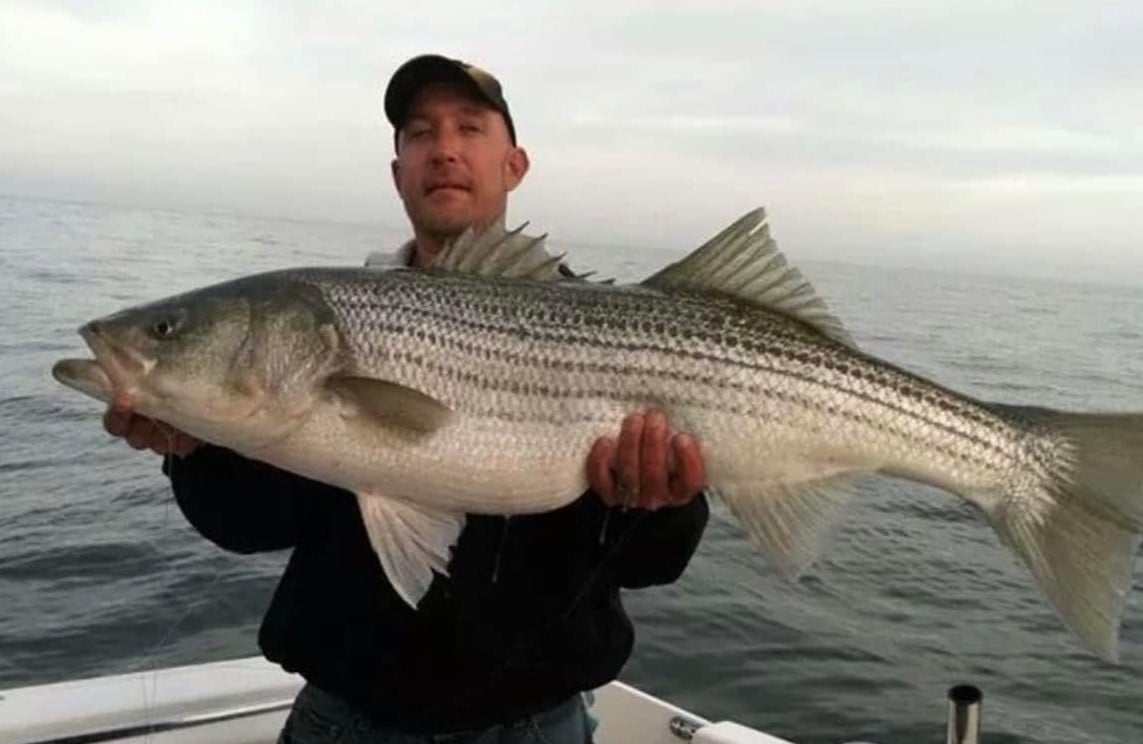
pixel 394 170
pixel 515 167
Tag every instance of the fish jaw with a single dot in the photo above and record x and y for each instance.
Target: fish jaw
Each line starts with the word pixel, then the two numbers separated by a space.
pixel 122 369
pixel 112 377
pixel 85 375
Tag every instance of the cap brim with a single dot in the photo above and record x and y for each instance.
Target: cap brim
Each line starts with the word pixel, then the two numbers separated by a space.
pixel 418 72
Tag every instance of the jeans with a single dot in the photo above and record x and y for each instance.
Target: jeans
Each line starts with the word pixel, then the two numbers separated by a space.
pixel 320 718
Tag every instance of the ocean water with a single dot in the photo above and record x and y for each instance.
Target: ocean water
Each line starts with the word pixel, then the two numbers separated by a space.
pixel 100 574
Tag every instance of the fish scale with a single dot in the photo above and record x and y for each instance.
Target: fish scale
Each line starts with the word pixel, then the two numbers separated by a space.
pixel 536 345
pixel 480 384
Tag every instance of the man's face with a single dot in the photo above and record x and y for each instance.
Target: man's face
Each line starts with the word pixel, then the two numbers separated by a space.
pixel 455 162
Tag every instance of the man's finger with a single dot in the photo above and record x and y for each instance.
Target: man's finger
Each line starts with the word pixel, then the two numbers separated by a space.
pixel 600 475
pixel 166 438
pixel 654 491
pixel 184 444
pixel 141 433
pixel 116 422
pixel 690 476
pixel 627 459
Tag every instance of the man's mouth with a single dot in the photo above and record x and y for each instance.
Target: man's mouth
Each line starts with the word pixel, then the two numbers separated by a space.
pixel 445 186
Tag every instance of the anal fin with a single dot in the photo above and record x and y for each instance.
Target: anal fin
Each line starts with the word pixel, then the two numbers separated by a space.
pixel 787 521
pixel 410 542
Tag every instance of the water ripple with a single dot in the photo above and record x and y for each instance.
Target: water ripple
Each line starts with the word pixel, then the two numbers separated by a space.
pixel 913 591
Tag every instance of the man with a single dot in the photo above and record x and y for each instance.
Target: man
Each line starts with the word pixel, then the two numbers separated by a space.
pixel 530 614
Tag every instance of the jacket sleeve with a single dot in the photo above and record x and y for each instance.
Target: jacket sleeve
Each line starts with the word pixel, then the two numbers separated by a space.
pixel 243 505
pixel 654 547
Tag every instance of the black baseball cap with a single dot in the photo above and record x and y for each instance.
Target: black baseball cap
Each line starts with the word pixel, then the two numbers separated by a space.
pixel 419 71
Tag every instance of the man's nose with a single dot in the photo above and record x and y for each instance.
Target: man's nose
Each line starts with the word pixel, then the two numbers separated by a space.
pixel 446 145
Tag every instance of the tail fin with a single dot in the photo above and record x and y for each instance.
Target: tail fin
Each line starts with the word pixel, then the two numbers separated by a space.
pixel 1075 523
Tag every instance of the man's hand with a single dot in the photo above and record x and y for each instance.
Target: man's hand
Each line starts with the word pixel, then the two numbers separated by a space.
pixel 144 433
pixel 649 467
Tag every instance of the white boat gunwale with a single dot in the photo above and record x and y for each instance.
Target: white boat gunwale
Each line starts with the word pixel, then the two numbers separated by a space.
pixel 245 701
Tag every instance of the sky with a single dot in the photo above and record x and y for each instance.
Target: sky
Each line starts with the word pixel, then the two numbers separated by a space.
pixel 994 135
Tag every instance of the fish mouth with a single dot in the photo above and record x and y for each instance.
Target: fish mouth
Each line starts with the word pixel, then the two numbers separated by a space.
pixel 115 372
pixel 86 376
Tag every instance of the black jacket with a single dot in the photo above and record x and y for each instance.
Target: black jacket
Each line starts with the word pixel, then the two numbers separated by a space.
pixel 529 615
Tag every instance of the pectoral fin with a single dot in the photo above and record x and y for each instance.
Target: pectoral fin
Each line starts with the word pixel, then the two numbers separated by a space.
pixel 410 542
pixel 391 404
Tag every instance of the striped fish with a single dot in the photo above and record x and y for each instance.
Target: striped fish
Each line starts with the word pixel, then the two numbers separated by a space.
pixel 479 385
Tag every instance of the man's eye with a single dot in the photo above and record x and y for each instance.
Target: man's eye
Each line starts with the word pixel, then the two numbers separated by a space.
pixel 470 127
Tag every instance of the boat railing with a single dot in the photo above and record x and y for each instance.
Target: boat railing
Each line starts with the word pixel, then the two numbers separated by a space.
pixel 174 723
pixel 247 700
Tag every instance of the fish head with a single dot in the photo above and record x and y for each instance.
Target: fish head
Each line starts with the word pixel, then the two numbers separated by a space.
pixel 234 363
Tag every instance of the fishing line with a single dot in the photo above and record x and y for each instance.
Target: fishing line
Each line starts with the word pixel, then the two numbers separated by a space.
pixel 151 663
pixel 521 647
pixel 150 660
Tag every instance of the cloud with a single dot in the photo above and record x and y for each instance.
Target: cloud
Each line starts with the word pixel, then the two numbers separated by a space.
pixel 906 130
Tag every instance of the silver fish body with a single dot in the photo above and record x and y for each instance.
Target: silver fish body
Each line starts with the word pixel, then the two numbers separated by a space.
pixel 536 372
pixel 479 387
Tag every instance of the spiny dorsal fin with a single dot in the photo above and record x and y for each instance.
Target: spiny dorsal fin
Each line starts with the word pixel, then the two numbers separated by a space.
pixel 747 264
pixel 495 251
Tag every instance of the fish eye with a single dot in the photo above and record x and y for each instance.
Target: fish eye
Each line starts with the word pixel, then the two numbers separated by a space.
pixel 164 328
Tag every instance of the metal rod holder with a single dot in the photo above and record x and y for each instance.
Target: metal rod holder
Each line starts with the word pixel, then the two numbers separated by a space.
pixel 964 714
pixel 683 728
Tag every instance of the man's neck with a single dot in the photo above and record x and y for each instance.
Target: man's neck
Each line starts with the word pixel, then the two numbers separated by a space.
pixel 425 248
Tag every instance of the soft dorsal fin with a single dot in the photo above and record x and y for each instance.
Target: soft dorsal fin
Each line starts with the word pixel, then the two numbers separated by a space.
pixel 497 252
pixel 745 263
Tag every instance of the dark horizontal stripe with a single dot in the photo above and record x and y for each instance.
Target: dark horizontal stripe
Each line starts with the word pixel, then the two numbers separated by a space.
pixel 789 342
pixel 469 321
pixel 825 406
